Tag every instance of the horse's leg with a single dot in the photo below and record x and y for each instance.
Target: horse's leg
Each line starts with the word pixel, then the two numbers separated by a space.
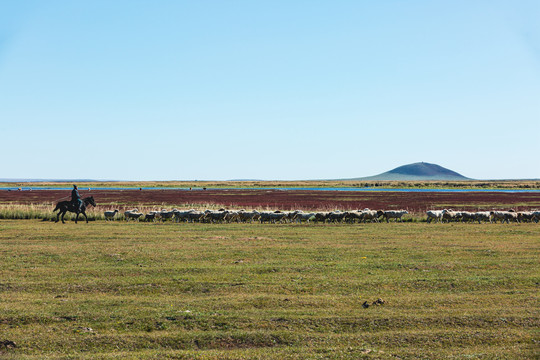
pixel 58 216
pixel 86 217
pixel 64 213
pixel 77 217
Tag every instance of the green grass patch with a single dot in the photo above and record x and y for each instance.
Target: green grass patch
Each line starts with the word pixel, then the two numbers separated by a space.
pixel 243 291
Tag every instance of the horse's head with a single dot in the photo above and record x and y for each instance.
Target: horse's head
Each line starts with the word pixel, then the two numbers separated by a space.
pixel 91 201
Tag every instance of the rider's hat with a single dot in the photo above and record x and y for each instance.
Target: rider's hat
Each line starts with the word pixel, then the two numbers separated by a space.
pixel 75 186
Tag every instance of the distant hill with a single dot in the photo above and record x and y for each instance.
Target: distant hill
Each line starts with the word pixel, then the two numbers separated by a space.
pixel 417 171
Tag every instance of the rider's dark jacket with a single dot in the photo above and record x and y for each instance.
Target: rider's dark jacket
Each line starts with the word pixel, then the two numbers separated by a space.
pixel 75 197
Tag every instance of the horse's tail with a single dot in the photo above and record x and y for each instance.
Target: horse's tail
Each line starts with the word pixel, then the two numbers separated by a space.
pixel 57 207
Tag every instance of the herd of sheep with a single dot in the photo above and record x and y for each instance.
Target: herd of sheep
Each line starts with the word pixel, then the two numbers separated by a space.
pixel 298 216
pixel 491 216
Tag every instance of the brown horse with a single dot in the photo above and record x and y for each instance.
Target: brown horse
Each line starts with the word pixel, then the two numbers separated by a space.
pixel 65 206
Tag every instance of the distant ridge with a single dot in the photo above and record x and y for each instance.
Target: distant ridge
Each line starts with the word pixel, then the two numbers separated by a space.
pixel 417 171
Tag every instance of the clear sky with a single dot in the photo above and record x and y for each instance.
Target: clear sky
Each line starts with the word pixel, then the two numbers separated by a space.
pixel 276 89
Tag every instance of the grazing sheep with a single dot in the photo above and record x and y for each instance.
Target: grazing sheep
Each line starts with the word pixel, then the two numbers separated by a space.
pixel 109 215
pixel 164 214
pixel 482 215
pixel 245 216
pixel 265 216
pixel 449 215
pixel 215 216
pixel 435 214
pixel 132 215
pixel 466 216
pixel 525 216
pixel 321 216
pixel 232 216
pixel 292 214
pixel 336 216
pixel 193 216
pixel 352 216
pixel 151 216
pixel 299 217
pixel 394 214
pixel 511 215
pixel 180 216
pixel 371 215
pixel 497 215
pixel 272 217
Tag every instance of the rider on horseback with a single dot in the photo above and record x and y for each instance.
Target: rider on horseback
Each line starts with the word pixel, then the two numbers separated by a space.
pixel 76 199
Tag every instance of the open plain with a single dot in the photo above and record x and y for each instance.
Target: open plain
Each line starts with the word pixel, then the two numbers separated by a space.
pixel 108 290
pixel 118 290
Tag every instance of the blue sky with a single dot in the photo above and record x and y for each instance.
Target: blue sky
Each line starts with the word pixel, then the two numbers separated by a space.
pixel 184 90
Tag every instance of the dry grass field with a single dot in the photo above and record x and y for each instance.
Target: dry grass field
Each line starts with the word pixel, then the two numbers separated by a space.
pixel 250 291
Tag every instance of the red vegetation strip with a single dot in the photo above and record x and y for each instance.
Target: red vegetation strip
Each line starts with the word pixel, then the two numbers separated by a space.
pixel 293 199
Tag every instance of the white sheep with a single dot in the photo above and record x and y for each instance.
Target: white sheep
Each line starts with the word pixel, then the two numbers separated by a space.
pixel 130 214
pixel 299 217
pixel 482 215
pixel 109 215
pixel 394 214
pixel 248 216
pixel 435 214
pixel 371 215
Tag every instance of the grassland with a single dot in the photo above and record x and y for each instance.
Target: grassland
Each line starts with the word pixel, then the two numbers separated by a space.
pixel 236 291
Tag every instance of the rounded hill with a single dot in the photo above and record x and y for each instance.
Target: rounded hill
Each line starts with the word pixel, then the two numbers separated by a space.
pixel 418 171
